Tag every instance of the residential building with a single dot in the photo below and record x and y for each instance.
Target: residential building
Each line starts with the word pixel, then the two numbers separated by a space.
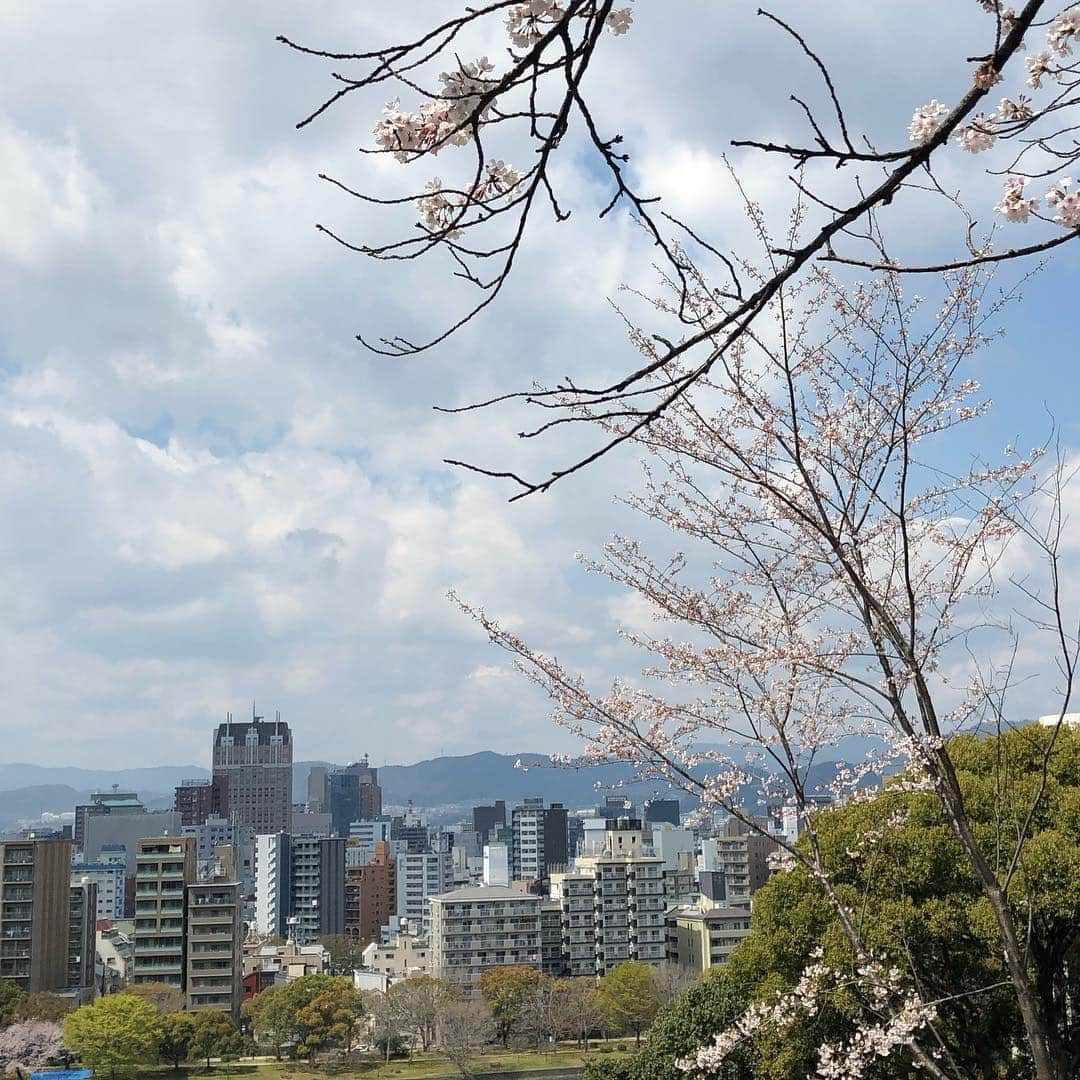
pixel 108 880
pixel 254 760
pixel 316 887
pixel 421 875
pixel 165 867
pixel 496 864
pixel 197 800
pixel 552 961
pixel 279 964
pixel 82 941
pixel 478 928
pixel 488 819
pixel 539 839
pixel 613 904
pixel 35 913
pixel 101 804
pixel 371 894
pixel 115 959
pixel 211 834
pixel 703 938
pixel 363 836
pixel 405 955
pixel 272 889
pixel 743 857
pixel 215 938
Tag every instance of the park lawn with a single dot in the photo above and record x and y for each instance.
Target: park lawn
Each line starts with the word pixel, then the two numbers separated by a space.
pixel 419 1067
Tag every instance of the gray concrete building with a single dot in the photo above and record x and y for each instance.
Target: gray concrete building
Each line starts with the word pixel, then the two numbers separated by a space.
pixel 214 958
pixel 316 887
pixel 253 759
pixel 478 928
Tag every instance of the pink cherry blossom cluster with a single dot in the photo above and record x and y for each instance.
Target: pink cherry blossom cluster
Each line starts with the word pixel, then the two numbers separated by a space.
pixel 527 23
pixel 868 1044
pixel 1065 203
pixel 444 121
pixel 926 121
pixel 441 209
pixel 1014 204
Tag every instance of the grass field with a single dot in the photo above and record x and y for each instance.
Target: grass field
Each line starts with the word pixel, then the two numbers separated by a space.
pixel 419 1067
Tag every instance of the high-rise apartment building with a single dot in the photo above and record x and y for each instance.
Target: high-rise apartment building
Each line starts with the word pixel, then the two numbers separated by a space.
pixel 197 800
pixel 108 879
pixel 35 913
pixel 164 868
pixel 613 904
pixel 214 954
pixel 254 760
pixel 474 929
pixel 82 941
pixel 539 839
pixel 420 876
pixel 316 887
pixel 272 889
pixel 371 894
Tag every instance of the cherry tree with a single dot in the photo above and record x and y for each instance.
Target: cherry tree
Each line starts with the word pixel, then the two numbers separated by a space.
pixel 30 1044
pixel 802 414
pixel 503 122
pixel 840 576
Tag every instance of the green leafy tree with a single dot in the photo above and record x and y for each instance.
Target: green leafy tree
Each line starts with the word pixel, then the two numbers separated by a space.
pixel 114 1035
pixel 174 1043
pixel 10 996
pixel 708 1006
pixel 628 997
pixel 896 862
pixel 507 990
pixel 274 1012
pixel 213 1034
pixel 331 1020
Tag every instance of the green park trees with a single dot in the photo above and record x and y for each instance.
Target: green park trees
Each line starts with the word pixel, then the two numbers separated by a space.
pixel 114 1035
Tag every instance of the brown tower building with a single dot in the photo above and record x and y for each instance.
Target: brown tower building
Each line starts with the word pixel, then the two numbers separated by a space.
pixel 371 895
pixel 35 916
pixel 253 759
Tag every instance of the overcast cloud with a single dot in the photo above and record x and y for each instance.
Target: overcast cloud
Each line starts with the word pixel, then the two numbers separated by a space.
pixel 209 492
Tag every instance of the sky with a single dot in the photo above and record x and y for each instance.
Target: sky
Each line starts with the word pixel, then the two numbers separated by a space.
pixel 210 493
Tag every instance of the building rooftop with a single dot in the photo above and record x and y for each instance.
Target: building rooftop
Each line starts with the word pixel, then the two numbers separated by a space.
pixel 485 892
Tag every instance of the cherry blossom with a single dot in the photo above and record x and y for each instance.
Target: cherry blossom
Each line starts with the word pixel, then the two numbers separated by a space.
pixel 1013 205
pixel 1066 203
pixel 926 121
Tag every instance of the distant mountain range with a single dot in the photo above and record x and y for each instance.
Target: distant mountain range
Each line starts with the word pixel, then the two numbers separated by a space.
pixel 446 785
